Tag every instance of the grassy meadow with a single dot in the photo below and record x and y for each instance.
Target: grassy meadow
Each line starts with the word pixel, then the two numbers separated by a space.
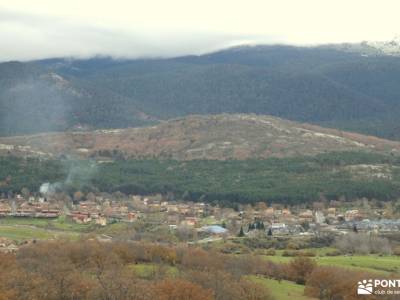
pixel 384 265
pixel 19 229
pixel 282 290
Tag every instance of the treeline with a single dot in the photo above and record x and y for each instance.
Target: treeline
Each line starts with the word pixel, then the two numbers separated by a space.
pixel 285 180
pixel 89 269
pixel 17 173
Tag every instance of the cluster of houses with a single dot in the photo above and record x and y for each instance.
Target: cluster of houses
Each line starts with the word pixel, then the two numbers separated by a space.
pixel 33 208
pixel 101 214
pixel 376 226
pixel 103 211
pixel 276 220
pixel 317 221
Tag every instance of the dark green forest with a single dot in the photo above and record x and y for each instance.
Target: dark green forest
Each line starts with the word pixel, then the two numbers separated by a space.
pixel 318 85
pixel 286 180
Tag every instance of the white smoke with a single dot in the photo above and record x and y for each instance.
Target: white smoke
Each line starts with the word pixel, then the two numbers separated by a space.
pixel 45 188
pixel 48 188
pixel 79 174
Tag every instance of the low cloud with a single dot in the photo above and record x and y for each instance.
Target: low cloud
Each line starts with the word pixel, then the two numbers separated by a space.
pixel 26 37
pixel 155 28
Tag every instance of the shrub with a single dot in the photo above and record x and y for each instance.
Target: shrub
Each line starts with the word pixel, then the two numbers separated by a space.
pixel 270 252
pixel 300 268
pixel 233 248
pixel 334 253
pixel 288 253
pixel 180 289
pixel 333 283
pixel 321 241
pixel 307 253
pixel 396 251
pixel 293 246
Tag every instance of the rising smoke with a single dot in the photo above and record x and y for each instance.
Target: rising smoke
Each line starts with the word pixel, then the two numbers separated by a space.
pixel 79 174
pixel 48 188
pixel 34 101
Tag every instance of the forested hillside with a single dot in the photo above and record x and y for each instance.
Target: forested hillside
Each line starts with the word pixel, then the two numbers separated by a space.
pixel 323 85
pixel 345 175
pixel 32 99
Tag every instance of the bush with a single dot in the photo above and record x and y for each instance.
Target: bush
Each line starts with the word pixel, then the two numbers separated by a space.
pixel 333 283
pixel 233 248
pixel 307 253
pixel 293 253
pixel 259 243
pixel 270 252
pixel 288 253
pixel 181 289
pixel 300 268
pixel 334 253
pixel 396 251
pixel 293 246
pixel 321 241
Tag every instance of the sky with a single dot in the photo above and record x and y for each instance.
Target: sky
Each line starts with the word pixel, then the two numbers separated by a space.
pixel 35 29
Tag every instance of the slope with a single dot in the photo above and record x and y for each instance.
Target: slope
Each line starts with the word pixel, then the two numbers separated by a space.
pixel 220 137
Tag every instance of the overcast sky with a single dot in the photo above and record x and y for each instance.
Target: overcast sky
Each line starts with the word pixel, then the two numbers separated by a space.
pixel 31 29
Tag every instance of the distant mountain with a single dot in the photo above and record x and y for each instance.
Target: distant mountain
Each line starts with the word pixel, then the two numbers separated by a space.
pixel 218 137
pixel 325 85
pixel 35 99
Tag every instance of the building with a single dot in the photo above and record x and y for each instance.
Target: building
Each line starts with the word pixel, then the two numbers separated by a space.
pixel 279 229
pixel 214 229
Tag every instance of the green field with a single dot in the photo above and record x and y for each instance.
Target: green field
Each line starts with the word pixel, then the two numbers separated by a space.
pixel 375 263
pixel 150 270
pixel 283 290
pixel 60 223
pixel 384 265
pixel 19 229
pixel 26 232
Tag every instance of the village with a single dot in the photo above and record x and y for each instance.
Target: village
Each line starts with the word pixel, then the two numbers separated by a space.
pixel 208 220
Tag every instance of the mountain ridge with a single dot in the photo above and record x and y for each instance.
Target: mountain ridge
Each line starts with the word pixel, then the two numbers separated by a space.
pixel 320 85
pixel 219 137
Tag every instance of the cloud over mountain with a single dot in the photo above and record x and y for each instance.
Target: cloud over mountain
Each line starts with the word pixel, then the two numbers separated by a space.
pixel 40 29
